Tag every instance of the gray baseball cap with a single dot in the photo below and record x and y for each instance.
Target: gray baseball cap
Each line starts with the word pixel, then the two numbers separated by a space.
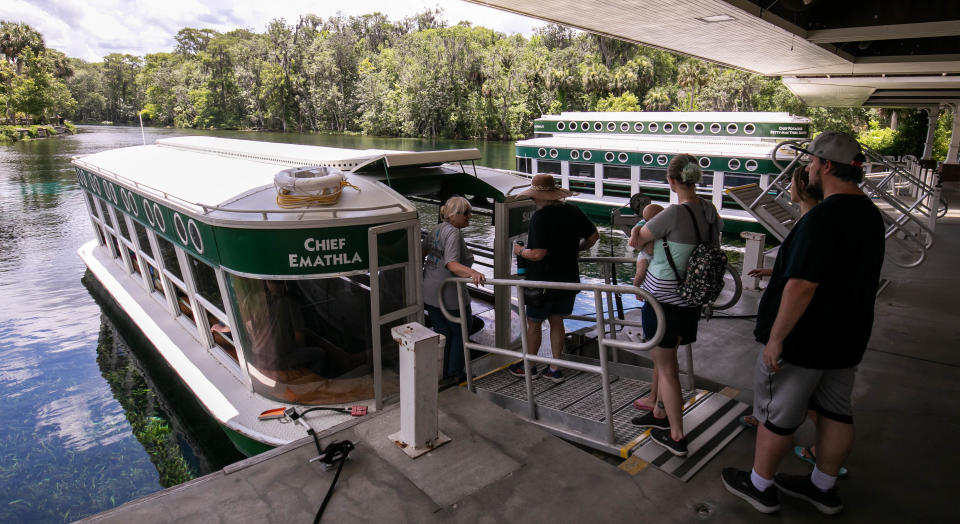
pixel 835 146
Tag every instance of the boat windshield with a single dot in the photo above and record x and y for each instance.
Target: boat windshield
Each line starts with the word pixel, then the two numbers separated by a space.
pixel 308 341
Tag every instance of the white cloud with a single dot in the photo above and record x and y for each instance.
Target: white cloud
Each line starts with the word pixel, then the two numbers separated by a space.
pixel 91 29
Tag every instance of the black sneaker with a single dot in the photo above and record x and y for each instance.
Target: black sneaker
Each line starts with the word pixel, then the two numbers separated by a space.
pixel 647 420
pixel 555 375
pixel 801 487
pixel 517 370
pixel 738 482
pixel 662 437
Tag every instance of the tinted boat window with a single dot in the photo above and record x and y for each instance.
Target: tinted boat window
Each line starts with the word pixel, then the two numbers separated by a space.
pixel 169 257
pixel 653 175
pixel 577 169
pixel 206 281
pixel 142 237
pixel 616 172
pixel 122 226
pixel 552 168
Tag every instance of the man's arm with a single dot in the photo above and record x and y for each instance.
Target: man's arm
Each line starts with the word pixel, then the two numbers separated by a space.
pixel 588 242
pixel 797 295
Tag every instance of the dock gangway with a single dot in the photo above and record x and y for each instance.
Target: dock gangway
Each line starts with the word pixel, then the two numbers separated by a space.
pixel 593 406
pixel 904 192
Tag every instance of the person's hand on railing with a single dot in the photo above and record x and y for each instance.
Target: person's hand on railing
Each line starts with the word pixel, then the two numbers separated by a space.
pixel 760 272
pixel 478 278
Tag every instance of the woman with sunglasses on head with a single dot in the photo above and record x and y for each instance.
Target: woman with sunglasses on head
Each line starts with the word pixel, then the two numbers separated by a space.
pixel 447 256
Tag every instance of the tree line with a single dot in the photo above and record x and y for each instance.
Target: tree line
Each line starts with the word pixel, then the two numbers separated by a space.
pixel 417 76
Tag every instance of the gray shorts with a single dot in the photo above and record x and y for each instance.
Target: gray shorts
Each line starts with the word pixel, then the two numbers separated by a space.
pixel 781 400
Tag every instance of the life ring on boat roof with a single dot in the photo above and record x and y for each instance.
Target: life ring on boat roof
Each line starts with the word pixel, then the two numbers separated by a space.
pixel 305 186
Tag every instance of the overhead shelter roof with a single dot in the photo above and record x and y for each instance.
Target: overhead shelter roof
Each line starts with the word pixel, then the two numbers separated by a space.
pixel 811 43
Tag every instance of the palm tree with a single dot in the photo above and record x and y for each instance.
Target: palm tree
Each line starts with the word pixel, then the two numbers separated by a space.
pixel 657 99
pixel 692 75
pixel 14 38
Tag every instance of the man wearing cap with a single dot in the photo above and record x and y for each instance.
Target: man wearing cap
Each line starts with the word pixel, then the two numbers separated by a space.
pixel 558 232
pixel 814 320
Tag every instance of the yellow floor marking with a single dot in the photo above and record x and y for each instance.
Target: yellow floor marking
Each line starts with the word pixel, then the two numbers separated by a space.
pixel 491 372
pixel 729 392
pixel 633 465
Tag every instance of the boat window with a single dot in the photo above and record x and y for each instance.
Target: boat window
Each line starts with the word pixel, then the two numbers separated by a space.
pixel 653 175
pixel 107 218
pixel 183 302
pixel 706 180
pixel 581 185
pixel 133 261
pixel 122 226
pixel 169 255
pixel 103 241
pixel 579 169
pixel 143 238
pixel 309 341
pixel 734 180
pixel 116 245
pixel 523 165
pixel 206 280
pixel 155 278
pixel 616 190
pixel 616 172
pixel 93 206
pixel 550 168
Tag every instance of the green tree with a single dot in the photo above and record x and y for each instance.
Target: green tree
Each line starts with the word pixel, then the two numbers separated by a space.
pixel 624 102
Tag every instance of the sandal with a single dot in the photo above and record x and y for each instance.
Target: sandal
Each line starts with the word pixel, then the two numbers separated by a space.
pixel 643 404
pixel 749 422
pixel 805 454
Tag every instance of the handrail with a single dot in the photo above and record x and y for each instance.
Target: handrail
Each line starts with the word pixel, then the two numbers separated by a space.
pixel 602 342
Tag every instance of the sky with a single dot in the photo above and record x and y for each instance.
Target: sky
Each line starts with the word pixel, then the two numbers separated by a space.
pixel 92 29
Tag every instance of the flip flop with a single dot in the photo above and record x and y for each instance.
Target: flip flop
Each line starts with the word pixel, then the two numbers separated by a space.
pixel 749 422
pixel 805 454
pixel 643 404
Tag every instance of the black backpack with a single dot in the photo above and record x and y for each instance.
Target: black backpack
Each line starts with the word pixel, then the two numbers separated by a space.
pixel 705 268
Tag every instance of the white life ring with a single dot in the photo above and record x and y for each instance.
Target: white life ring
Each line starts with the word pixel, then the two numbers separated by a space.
pixel 309 179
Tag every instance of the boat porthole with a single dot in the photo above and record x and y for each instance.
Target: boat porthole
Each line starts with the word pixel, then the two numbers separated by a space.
pixel 573 126
pixel 561 126
pixel 609 156
pixel 698 127
pixel 587 155
pixel 181 229
pixel 749 129
pixel 597 126
pixel 113 193
pixel 662 160
pixel 623 157
pixel 638 127
pixel 158 217
pixel 541 152
pixel 714 128
pixel 733 164
pixel 704 162
pixel 574 155
pixel 682 127
pixel 584 126
pixel 553 153
pixel 648 158
pixel 125 198
pixel 611 126
pixel 195 235
pixel 668 127
pixel 652 127
pixel 80 178
pixel 732 128
pixel 624 127
pixel 147 212
pixel 133 205
pixel 751 165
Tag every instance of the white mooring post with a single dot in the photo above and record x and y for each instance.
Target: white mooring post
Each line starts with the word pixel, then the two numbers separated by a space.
pixel 419 347
pixel 752 258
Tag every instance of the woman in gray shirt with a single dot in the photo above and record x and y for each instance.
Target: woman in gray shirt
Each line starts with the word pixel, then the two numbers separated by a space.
pixel 447 256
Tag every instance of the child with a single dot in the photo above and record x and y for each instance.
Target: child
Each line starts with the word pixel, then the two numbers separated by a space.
pixel 646 250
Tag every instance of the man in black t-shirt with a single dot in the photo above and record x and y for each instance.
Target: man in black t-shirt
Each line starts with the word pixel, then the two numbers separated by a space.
pixel 558 232
pixel 815 319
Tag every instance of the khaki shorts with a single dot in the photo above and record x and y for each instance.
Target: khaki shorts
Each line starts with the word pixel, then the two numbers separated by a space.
pixel 781 400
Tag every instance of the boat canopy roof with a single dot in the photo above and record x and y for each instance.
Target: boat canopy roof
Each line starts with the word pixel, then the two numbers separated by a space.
pixel 644 116
pixel 233 180
pixel 696 146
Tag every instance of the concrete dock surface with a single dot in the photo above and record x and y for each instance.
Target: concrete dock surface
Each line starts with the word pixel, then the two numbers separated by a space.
pixel 500 468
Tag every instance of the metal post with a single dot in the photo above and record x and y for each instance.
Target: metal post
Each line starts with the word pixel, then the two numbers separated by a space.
pixel 419 431
pixel 524 345
pixel 691 385
pixel 752 258
pixel 604 371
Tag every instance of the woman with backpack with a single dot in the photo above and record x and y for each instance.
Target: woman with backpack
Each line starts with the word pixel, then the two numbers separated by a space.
pixel 691 227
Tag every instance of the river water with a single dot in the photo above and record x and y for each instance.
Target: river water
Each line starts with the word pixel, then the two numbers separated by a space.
pixel 86 423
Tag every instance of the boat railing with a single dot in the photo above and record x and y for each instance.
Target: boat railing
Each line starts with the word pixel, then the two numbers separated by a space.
pixel 605 343
pixel 206 209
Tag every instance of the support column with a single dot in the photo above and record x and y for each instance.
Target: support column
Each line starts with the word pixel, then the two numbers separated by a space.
pixel 419 432
pixel 933 114
pixel 955 137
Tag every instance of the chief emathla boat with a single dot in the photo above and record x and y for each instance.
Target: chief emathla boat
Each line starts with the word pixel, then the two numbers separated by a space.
pixel 256 299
